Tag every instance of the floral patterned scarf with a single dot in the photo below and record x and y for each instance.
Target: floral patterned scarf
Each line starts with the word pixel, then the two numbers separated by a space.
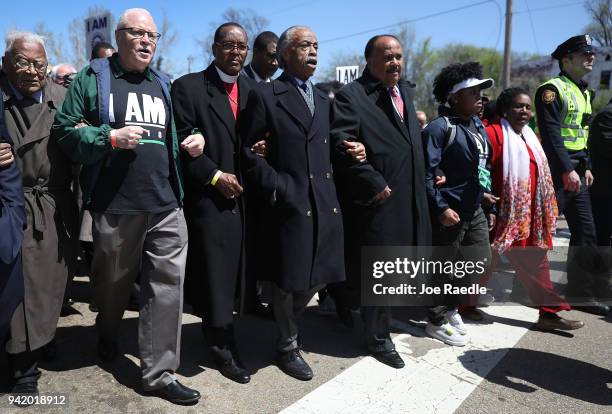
pixel 516 220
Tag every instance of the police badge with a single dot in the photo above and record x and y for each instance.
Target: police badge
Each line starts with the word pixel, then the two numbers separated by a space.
pixel 548 96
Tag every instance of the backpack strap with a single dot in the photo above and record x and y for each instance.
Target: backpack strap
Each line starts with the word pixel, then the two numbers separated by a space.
pixel 101 68
pixel 164 81
pixel 451 133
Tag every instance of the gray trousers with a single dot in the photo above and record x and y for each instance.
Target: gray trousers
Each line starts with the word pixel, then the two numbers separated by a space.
pixel 287 307
pixel 154 245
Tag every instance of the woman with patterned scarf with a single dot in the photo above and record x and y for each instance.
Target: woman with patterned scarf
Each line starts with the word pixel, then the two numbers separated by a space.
pixel 527 210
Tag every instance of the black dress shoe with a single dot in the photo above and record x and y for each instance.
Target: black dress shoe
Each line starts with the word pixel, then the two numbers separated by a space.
pixel 233 370
pixel 25 389
pixel 292 364
pixel 596 308
pixel 107 350
pixel 177 393
pixel 391 358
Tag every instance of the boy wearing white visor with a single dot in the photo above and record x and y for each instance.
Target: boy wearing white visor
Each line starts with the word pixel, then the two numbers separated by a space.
pixel 457 144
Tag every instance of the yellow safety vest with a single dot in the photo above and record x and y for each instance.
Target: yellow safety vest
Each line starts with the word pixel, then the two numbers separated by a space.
pixel 575 105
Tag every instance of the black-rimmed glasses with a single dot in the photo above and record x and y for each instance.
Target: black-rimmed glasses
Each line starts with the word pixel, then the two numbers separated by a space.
pixel 139 33
pixel 229 46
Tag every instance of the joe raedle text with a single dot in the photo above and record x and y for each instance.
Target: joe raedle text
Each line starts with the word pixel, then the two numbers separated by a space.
pixel 447 289
pixel 416 281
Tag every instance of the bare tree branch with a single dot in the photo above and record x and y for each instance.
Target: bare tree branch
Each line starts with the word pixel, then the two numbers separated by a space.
pixel 53 44
pixel 600 27
pixel 163 61
pixel 252 22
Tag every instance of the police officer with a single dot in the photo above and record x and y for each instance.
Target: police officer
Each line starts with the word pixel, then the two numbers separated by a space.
pixel 563 112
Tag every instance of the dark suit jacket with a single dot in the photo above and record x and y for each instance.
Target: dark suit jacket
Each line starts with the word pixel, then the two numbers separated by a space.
pixel 216 224
pixel 303 221
pixel 363 111
pixel 600 147
pixel 12 222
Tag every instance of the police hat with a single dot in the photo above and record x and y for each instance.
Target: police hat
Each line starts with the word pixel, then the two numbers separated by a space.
pixel 580 43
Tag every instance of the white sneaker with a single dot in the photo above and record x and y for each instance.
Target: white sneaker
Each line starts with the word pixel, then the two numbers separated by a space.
pixel 454 319
pixel 446 333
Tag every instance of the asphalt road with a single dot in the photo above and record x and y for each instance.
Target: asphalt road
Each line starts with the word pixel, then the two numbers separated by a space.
pixel 508 366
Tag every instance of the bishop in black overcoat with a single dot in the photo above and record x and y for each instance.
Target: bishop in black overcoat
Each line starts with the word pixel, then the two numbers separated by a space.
pixel 215 261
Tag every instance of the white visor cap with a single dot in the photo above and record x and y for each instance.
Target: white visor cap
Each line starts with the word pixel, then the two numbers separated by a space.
pixel 468 83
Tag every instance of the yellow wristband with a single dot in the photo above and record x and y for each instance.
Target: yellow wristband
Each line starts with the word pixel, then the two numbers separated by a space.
pixel 216 177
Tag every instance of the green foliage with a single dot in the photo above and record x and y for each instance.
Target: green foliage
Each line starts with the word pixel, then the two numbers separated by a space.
pixel 490 59
pixel 420 64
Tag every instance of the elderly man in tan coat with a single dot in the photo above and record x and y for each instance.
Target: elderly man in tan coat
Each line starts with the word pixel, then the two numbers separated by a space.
pixel 30 102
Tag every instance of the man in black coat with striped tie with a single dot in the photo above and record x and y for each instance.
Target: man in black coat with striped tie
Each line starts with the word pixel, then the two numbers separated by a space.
pixel 383 198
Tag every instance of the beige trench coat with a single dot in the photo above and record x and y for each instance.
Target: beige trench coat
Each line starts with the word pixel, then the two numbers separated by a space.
pixel 50 240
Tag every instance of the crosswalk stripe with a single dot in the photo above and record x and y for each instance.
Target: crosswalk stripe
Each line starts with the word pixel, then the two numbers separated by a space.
pixel 437 377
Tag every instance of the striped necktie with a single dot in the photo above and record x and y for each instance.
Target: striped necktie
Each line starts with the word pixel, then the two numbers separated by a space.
pixel 307 94
pixel 398 103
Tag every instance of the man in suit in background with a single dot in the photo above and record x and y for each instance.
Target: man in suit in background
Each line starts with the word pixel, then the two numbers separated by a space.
pixel 264 62
pixel 303 218
pixel 261 69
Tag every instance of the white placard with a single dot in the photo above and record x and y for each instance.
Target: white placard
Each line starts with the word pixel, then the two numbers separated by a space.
pixel 346 74
pixel 97 29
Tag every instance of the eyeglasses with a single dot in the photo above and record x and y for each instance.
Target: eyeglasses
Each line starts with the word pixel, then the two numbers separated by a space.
pixel 139 33
pixel 24 64
pixel 229 46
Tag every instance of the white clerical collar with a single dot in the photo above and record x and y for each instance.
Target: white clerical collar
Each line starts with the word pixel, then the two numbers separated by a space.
pixel 225 77
pixel 37 96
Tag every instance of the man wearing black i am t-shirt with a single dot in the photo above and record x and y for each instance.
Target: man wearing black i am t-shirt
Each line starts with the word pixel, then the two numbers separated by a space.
pixel 117 121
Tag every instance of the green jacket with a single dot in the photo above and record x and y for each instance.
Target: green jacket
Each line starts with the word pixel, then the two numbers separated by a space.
pixel 90 144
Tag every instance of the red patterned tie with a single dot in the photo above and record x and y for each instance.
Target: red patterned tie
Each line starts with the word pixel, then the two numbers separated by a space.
pixel 397 101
